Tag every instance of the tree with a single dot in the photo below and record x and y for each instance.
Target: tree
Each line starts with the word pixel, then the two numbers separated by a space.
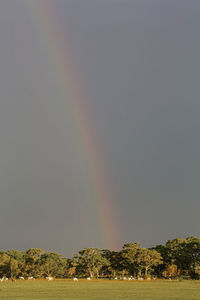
pixel 17 262
pixel 114 263
pixel 52 264
pixel 90 261
pixel 128 254
pixel 4 264
pixel 146 259
pixel 193 256
pixel 161 269
pixel 71 265
pixel 178 254
pixel 32 262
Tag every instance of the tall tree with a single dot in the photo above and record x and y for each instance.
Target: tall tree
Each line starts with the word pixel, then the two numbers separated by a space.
pixel 146 259
pixel 32 261
pixel 17 262
pixel 4 264
pixel 177 253
pixel 90 261
pixel 128 254
pixel 52 264
pixel 114 264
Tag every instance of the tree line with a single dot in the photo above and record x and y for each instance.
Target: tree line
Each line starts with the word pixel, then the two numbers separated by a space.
pixel 177 258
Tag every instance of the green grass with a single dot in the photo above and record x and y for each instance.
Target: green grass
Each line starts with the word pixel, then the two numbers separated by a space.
pixel 100 290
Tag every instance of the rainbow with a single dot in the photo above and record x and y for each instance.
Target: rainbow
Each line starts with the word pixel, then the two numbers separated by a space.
pixel 63 65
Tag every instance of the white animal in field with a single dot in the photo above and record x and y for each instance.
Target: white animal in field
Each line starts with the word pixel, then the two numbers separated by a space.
pixel 131 278
pixel 140 278
pixel 21 278
pixel 31 278
pixel 115 278
pixel 124 278
pixel 49 278
pixel 75 279
pixel 88 278
pixel 4 278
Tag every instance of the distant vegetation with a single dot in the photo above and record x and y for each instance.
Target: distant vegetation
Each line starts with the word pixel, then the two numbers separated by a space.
pixel 177 258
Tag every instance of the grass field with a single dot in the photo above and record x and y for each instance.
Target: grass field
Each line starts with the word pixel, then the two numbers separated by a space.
pixel 108 290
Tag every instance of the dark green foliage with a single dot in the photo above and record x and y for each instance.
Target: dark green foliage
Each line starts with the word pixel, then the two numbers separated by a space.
pixel 177 258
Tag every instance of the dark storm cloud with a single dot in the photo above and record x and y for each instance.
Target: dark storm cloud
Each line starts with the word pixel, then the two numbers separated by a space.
pixel 141 67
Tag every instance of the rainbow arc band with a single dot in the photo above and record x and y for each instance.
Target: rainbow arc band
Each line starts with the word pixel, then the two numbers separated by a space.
pixel 62 63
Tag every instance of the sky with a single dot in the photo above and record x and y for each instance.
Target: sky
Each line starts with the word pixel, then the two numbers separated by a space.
pixel 138 67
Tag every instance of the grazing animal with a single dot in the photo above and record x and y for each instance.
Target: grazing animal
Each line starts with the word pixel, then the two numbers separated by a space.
pixel 4 278
pixel 115 278
pixel 49 278
pixel 21 278
pixel 88 278
pixel 31 278
pixel 75 279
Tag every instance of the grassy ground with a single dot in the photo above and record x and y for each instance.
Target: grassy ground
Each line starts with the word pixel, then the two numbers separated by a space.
pixel 100 290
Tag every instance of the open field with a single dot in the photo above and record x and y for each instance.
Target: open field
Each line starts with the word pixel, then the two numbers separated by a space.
pixel 104 290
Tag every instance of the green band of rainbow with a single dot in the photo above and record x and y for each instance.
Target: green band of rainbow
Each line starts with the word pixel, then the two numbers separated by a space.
pixel 63 65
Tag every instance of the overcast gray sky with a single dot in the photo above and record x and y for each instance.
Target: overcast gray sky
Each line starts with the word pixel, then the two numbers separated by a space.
pixel 141 67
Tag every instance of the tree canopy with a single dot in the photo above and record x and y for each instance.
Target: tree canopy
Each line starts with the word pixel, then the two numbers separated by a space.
pixel 178 257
